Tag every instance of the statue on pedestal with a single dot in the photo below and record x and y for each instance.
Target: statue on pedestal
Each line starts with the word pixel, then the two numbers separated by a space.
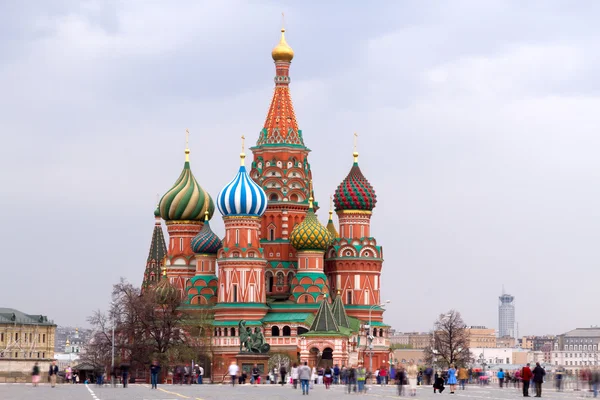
pixel 252 342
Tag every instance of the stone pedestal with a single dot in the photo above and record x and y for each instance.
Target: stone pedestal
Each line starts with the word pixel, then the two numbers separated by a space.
pixel 246 362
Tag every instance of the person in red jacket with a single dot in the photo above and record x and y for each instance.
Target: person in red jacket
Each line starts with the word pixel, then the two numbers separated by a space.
pixel 526 376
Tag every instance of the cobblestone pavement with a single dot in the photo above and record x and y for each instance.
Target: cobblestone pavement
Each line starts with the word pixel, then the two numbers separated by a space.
pixel 248 392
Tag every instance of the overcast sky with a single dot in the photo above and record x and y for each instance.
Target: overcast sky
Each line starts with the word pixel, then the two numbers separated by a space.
pixel 478 124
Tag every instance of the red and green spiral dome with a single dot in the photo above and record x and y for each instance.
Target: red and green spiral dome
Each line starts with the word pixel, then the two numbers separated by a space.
pixel 355 192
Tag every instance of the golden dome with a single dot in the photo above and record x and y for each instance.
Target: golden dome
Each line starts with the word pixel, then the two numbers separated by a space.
pixel 282 52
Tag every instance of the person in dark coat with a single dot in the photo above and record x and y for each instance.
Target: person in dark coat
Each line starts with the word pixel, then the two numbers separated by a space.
pixel 538 379
pixel 526 376
pixel 438 383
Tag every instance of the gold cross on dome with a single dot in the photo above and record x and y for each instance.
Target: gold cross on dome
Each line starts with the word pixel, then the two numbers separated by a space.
pixel 282 21
pixel 187 138
pixel 243 139
pixel 355 140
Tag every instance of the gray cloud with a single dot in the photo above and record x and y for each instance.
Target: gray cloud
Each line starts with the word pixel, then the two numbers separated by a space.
pixel 477 125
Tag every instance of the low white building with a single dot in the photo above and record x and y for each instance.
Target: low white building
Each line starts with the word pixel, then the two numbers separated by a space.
pixel 492 356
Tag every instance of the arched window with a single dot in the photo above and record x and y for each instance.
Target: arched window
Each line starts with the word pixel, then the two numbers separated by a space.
pixel 290 277
pixel 302 330
pixel 232 332
pixel 280 278
pixel 275 331
pixel 287 331
pixel 273 197
pixel 269 282
pixel 381 333
pixel 225 331
pixel 271 233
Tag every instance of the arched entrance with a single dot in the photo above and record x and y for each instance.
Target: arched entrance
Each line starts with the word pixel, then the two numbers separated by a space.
pixel 326 358
pixel 313 357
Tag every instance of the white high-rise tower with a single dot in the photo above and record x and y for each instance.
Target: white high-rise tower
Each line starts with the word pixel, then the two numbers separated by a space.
pixel 506 315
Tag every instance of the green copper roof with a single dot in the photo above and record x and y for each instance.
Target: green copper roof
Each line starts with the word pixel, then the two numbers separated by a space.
pixel 235 323
pixel 286 317
pixel 324 321
pixel 339 313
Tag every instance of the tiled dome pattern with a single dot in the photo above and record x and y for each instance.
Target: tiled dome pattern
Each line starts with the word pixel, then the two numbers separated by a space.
pixel 355 192
pixel 310 234
pixel 206 241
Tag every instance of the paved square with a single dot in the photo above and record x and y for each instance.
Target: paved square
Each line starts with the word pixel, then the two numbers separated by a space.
pixel 248 392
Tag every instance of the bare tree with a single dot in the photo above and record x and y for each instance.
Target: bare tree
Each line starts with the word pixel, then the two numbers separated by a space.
pixel 148 326
pixel 450 342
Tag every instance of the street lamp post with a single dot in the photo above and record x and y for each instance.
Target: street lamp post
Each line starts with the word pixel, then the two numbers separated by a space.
pixel 112 363
pixel 371 337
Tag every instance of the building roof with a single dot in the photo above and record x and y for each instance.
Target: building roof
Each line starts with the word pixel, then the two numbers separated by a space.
pixel 339 312
pixel 12 316
pixel 288 317
pixel 583 332
pixel 324 321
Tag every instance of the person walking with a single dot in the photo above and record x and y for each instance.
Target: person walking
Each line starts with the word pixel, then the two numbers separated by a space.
pixel 154 372
pixel 500 376
pixel 438 383
pixel 283 373
pixel 361 377
pixel 400 378
pixel 428 374
pixel 124 374
pixel 52 373
pixel 336 374
pixel 538 379
pixel 294 375
pixel 463 377
pixel 352 379
pixel 255 374
pixel 327 377
pixel 452 378
pixel 304 374
pixel 526 376
pixel 35 375
pixel 200 373
pixel 411 372
pixel 233 371
pixel 595 380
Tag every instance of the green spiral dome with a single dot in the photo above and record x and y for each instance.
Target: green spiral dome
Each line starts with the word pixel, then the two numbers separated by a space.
pixel 310 234
pixel 186 200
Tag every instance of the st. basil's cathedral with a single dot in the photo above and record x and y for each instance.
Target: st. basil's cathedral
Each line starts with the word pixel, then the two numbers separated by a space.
pixel 310 288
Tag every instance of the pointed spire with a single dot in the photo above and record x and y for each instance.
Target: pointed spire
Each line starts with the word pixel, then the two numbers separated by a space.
pixel 330 225
pixel 187 145
pixel 156 254
pixel 339 312
pixel 243 154
pixel 324 320
pixel 355 153
pixel 310 196
pixel 281 127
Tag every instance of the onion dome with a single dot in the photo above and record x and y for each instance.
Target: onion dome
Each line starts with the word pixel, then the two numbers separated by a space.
pixel 310 234
pixel 242 196
pixel 164 291
pixel 206 241
pixel 355 192
pixel 186 200
pixel 282 52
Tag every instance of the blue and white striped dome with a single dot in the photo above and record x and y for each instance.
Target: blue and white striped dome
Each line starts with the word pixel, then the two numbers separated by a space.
pixel 242 196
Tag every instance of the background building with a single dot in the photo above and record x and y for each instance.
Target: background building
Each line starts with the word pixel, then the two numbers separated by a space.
pixel 481 336
pixel 576 349
pixel 506 316
pixel 24 340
